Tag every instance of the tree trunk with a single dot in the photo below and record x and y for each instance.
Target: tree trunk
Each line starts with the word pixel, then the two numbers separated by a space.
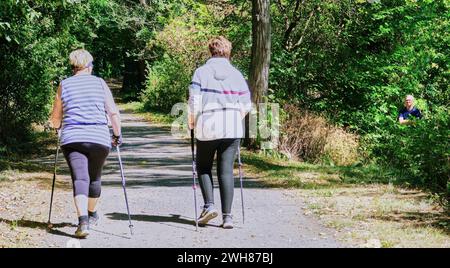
pixel 261 42
pixel 260 58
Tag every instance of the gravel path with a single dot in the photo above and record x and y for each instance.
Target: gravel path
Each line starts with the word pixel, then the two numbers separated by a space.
pixel 158 172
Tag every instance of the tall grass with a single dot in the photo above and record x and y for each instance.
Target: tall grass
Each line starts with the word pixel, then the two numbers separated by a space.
pixel 309 137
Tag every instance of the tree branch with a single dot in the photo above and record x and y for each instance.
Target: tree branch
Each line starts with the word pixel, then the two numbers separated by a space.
pixel 299 42
pixel 294 22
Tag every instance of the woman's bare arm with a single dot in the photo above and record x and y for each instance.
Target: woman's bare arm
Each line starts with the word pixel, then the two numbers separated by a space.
pixel 57 112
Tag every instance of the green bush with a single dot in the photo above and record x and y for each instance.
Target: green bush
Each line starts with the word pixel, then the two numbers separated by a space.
pixel 167 84
pixel 33 57
pixel 420 151
pixel 182 47
pixel 36 38
pixel 355 64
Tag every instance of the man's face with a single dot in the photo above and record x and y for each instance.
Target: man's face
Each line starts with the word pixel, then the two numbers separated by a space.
pixel 409 102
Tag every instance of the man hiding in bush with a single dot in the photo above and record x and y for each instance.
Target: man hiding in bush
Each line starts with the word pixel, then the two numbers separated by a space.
pixel 408 110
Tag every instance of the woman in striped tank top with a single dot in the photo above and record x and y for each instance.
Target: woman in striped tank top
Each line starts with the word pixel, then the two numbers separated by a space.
pixel 81 109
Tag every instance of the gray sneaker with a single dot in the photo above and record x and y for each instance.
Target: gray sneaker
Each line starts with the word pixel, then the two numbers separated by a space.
pixel 207 214
pixel 93 220
pixel 82 230
pixel 227 221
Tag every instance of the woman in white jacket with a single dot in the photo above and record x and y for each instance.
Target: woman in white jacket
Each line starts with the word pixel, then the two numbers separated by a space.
pixel 219 99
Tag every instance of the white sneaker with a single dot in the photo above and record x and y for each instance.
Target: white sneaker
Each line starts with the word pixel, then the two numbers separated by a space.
pixel 227 221
pixel 207 215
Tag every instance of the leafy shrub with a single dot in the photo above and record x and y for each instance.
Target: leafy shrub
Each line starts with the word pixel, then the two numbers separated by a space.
pixel 183 47
pixel 36 38
pixel 167 84
pixel 34 56
pixel 357 61
pixel 419 151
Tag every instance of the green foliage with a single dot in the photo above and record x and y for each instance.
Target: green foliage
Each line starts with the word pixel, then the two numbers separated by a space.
pixel 419 151
pixel 34 46
pixel 351 61
pixel 36 38
pixel 182 47
pixel 166 84
pixel 357 61
pixel 354 62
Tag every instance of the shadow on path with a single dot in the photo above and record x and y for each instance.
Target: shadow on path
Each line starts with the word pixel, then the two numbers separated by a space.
pixel 173 218
pixel 150 218
pixel 41 225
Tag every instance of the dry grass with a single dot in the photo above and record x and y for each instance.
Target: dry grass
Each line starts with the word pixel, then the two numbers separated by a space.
pixel 303 134
pixel 309 137
pixel 341 147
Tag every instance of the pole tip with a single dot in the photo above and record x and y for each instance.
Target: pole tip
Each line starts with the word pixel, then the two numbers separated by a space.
pixel 131 230
pixel 49 225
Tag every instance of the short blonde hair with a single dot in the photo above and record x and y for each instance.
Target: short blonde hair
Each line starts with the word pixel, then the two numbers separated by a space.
pixel 220 47
pixel 80 58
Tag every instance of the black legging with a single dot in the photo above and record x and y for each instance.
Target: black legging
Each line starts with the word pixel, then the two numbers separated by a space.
pixel 85 162
pixel 226 152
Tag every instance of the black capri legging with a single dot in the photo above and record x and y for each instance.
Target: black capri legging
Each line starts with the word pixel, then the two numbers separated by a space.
pixel 85 162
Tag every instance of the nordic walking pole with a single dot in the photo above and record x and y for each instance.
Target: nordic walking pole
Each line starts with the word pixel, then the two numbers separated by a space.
pixel 194 175
pixel 124 189
pixel 240 178
pixel 49 224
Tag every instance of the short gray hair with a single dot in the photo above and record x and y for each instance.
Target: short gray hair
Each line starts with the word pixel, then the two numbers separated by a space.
pixel 80 58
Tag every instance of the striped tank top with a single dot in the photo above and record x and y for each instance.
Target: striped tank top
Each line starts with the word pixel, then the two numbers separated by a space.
pixel 84 114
